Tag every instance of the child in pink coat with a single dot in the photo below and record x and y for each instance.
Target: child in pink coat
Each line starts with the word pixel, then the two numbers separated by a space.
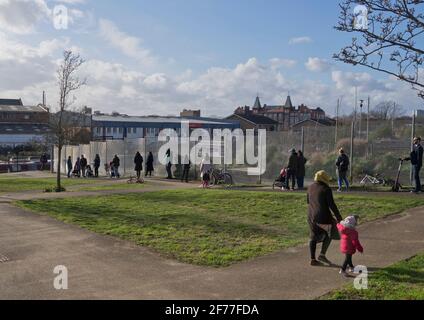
pixel 349 241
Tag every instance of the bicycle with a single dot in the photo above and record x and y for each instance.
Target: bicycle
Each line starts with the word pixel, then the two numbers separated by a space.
pixel 374 180
pixel 219 177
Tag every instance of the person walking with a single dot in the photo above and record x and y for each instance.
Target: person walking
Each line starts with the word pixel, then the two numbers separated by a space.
pixel 186 169
pixel 417 163
pixel 83 164
pixel 342 165
pixel 301 170
pixel 292 170
pixel 96 166
pixel 138 161
pixel 43 161
pixel 116 164
pixel 349 243
pixel 322 223
pixel 168 161
pixel 69 164
pixel 77 168
pixel 149 164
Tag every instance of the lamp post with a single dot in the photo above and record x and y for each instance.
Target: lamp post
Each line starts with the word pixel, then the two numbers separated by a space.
pixel 360 118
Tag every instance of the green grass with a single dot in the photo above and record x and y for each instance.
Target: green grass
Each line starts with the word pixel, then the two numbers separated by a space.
pixel 113 186
pixel 209 227
pixel 17 184
pixel 402 281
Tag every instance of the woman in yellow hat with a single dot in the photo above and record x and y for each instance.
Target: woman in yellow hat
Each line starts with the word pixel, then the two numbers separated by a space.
pixel 322 223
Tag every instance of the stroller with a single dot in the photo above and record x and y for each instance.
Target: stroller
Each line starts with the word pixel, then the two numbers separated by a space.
pixel 89 173
pixel 280 181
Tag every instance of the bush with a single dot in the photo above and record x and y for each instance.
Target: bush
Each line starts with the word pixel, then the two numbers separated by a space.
pixel 360 146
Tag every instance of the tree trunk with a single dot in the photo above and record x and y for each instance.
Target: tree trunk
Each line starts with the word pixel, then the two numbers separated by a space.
pixel 59 163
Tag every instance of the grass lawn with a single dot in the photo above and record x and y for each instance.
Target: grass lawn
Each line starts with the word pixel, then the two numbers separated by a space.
pixel 22 184
pixel 209 227
pixel 402 281
pixel 123 185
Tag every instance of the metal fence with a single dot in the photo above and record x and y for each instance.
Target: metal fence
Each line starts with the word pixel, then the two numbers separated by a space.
pixel 375 151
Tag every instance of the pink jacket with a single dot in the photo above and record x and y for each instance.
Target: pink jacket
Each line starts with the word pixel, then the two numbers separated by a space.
pixel 350 240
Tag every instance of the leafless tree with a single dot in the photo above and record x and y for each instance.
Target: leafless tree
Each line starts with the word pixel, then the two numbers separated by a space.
pixel 387 110
pixel 66 122
pixel 390 42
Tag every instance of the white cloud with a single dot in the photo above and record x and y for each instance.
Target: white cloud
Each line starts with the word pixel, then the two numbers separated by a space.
pixel 300 40
pixel 21 16
pixel 317 65
pixel 128 45
pixel 277 63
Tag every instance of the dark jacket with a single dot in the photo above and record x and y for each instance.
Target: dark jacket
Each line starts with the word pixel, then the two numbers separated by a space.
pixel 417 156
pixel 116 162
pixel 293 163
pixel 301 166
pixel 138 161
pixel 321 205
pixel 69 163
pixel 97 162
pixel 343 163
pixel 83 162
pixel 149 163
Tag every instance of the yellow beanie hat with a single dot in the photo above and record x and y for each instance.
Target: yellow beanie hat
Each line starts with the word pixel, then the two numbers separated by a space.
pixel 322 176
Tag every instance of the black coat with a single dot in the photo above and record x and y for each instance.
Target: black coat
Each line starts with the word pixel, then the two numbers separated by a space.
pixel 97 162
pixel 293 163
pixel 138 161
pixel 116 162
pixel 417 156
pixel 149 163
pixel 83 162
pixel 321 204
pixel 301 166
pixel 343 163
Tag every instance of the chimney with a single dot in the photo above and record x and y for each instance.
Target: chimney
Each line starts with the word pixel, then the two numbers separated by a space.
pixel 44 98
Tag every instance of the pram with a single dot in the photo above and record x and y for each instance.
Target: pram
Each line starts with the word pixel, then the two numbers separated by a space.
pixel 280 181
pixel 89 172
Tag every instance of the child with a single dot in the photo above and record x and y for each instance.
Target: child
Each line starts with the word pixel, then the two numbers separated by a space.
pixel 350 241
pixel 282 178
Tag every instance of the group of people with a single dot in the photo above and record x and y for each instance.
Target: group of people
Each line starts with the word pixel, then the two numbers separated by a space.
pixel 81 168
pixel 295 171
pixel 138 162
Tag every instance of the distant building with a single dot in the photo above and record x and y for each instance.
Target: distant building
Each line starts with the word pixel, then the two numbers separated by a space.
pixel 190 113
pixel 285 115
pixel 117 127
pixel 21 124
pixel 250 121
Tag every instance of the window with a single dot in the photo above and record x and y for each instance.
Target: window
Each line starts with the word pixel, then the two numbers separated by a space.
pixel 109 130
pixel 121 130
pixel 115 130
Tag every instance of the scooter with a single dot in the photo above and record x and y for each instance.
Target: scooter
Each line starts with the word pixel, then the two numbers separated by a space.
pixel 397 186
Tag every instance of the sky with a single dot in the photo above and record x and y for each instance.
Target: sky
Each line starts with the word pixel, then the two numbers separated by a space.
pixel 145 57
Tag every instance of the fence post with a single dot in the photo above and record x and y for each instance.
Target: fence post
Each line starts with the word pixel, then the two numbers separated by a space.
pixel 302 143
pixel 352 141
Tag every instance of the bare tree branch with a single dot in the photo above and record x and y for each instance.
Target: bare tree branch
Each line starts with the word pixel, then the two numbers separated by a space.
pixel 392 43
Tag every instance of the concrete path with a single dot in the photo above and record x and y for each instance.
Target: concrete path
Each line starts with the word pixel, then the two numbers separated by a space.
pixel 103 267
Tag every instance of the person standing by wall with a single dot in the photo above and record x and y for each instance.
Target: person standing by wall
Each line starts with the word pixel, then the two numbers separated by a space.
pixel 342 165
pixel 69 164
pixel 322 224
pixel 96 166
pixel 77 168
pixel 138 161
pixel 291 170
pixel 83 164
pixel 186 169
pixel 301 170
pixel 417 163
pixel 205 171
pixel 149 164
pixel 116 164
pixel 168 161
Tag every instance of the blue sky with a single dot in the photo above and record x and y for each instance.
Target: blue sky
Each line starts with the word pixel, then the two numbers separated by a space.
pixel 146 57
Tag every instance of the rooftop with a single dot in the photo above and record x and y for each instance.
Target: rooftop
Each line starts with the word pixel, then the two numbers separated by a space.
pixel 11 102
pixel 256 119
pixel 21 108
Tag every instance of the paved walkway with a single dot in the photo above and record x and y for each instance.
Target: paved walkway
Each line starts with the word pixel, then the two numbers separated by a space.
pixel 103 267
